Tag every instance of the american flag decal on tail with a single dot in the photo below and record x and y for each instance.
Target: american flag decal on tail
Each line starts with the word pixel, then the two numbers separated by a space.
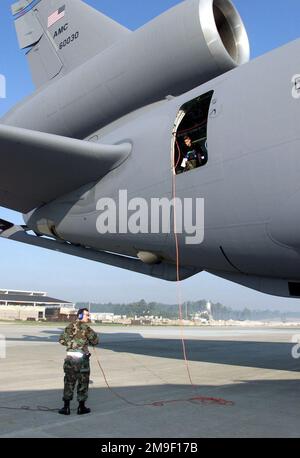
pixel 56 16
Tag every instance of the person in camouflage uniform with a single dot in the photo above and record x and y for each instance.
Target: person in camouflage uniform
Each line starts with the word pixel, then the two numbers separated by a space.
pixel 77 337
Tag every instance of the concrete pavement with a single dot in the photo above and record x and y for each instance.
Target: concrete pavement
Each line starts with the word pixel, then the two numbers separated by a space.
pixel 251 367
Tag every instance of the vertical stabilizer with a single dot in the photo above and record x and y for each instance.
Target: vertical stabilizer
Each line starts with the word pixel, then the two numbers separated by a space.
pixel 62 34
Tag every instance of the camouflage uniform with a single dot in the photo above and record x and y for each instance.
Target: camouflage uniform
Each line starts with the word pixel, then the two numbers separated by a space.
pixel 77 337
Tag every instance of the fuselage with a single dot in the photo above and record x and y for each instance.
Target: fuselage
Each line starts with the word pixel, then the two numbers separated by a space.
pixel 250 183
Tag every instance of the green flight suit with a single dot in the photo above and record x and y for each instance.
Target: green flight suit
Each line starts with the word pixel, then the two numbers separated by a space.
pixel 77 337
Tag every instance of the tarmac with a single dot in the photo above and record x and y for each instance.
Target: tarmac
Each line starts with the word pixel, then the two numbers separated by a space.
pixel 253 369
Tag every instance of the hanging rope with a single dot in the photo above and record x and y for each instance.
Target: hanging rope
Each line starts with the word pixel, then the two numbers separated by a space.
pixel 195 399
pixel 178 283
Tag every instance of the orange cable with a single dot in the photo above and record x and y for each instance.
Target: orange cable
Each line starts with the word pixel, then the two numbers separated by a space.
pixel 201 399
pixel 178 282
pixel 178 274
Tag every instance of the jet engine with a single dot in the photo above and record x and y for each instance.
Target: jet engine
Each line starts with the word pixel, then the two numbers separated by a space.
pixel 189 45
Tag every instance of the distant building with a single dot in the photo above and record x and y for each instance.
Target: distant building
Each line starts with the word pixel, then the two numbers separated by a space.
pixel 32 305
pixel 108 318
pixel 102 317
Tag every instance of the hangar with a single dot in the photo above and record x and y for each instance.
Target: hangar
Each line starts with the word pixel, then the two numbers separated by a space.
pixel 32 306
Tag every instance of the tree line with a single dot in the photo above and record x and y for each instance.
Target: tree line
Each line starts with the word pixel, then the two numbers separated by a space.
pixel 189 309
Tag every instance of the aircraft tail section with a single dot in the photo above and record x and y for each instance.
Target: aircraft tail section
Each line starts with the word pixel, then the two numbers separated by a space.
pixel 61 35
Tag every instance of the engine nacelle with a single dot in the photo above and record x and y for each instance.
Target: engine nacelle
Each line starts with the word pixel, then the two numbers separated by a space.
pixel 190 44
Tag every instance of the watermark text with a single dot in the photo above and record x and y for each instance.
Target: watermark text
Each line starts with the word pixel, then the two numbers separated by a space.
pixel 2 347
pixel 2 87
pixel 153 216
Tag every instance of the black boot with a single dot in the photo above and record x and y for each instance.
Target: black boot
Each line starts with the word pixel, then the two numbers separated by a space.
pixel 66 409
pixel 82 410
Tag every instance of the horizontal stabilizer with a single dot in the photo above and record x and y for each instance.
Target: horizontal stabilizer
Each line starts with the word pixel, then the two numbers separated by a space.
pixel 37 168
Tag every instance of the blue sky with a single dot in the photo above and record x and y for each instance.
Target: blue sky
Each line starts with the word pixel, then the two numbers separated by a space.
pixel 270 24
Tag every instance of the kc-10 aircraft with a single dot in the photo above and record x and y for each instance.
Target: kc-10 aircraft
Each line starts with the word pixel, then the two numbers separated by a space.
pixel 172 112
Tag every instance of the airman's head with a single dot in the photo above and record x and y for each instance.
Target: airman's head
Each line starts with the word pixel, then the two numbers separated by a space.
pixel 188 141
pixel 83 315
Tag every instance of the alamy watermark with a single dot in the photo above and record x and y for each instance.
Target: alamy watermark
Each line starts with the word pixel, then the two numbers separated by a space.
pixel 296 347
pixel 153 216
pixel 2 87
pixel 296 86
pixel 2 347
